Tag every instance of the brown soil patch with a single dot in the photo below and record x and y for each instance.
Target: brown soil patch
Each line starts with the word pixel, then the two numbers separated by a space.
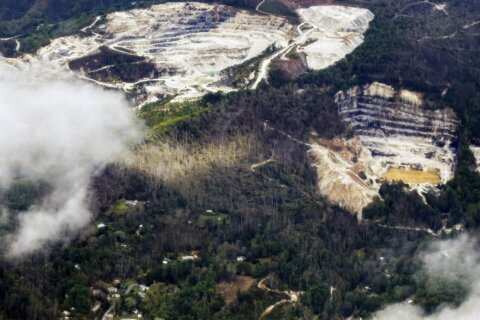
pixel 293 67
pixel 229 290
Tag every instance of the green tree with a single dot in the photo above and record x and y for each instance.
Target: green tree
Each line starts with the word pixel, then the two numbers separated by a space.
pixel 80 298
pixel 316 297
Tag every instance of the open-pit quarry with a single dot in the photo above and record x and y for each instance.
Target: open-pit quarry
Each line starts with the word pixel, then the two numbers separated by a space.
pixel 183 50
pixel 396 138
pixel 476 153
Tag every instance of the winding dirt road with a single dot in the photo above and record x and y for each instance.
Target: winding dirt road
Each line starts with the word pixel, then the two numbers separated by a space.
pixel 293 297
pixel 301 39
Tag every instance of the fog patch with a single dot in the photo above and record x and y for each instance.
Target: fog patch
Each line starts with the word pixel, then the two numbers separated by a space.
pixel 62 131
pixel 455 260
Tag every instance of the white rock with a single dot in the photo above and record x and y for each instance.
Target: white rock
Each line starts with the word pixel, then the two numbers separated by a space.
pixel 339 31
pixel 196 40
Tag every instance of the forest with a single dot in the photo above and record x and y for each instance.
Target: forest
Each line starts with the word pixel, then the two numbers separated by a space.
pixel 215 219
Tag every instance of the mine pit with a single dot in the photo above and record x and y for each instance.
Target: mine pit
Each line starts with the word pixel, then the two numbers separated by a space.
pixel 183 49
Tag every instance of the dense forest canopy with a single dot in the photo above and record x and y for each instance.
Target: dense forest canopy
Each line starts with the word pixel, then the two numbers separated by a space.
pixel 252 223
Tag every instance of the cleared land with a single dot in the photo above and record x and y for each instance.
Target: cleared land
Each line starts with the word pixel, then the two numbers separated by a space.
pixel 396 139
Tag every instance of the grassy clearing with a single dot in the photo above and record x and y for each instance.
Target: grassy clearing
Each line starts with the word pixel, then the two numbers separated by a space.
pixel 264 261
pixel 413 176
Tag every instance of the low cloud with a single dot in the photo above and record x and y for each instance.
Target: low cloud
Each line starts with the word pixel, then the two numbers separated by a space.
pixel 455 260
pixel 63 131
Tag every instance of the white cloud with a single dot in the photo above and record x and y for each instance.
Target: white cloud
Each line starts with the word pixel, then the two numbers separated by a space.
pixel 458 260
pixel 63 131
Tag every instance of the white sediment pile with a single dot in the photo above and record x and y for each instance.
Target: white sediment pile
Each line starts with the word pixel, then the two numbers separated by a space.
pixel 342 166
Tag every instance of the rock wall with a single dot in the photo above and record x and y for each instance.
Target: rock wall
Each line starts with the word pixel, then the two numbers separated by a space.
pixel 395 138
pixel 476 153
pixel 398 131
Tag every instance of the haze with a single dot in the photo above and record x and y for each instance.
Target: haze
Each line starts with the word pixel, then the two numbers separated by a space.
pixel 62 131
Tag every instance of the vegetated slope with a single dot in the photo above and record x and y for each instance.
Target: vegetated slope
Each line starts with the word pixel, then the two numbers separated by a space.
pixel 275 220
pixel 57 10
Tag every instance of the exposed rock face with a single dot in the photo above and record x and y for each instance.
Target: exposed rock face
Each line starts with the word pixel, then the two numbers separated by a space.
pixel 398 139
pixel 398 131
pixel 189 43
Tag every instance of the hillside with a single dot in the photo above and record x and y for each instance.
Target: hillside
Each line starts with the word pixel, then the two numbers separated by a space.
pixel 341 182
